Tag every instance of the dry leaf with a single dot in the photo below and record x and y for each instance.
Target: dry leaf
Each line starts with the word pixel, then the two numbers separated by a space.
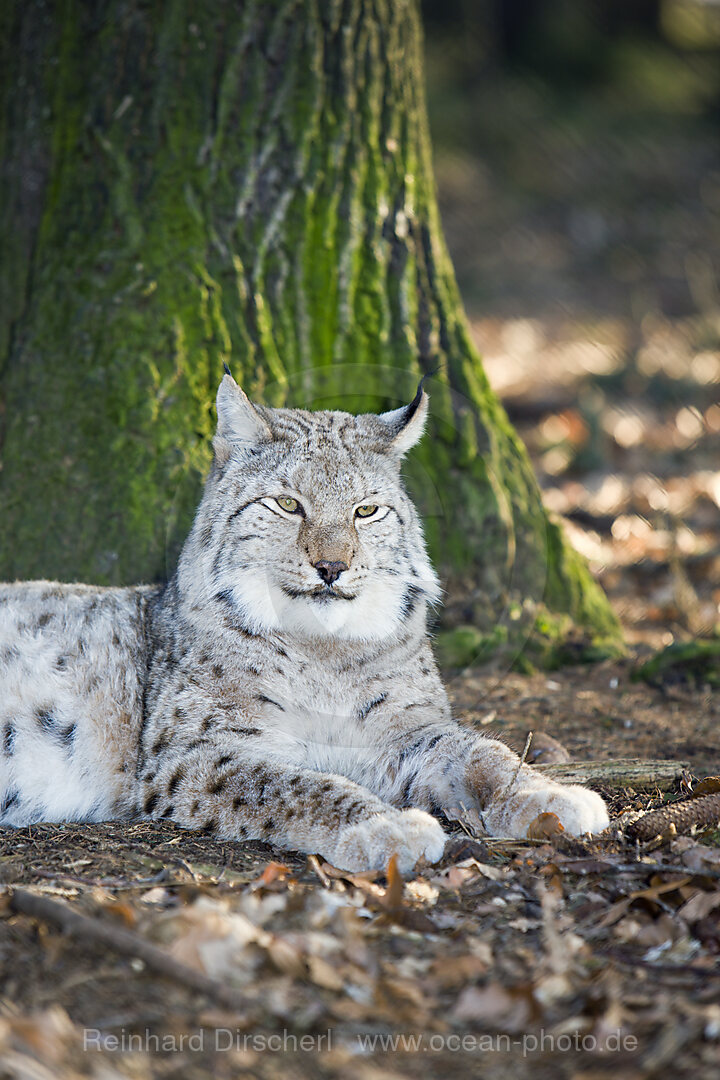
pixel 394 910
pixel 286 956
pixel 493 873
pixel 509 1009
pixel 552 988
pixel 209 938
pixel 157 895
pixel 709 786
pixel 696 856
pixel 274 871
pixel 544 827
pixel 324 974
pixel 122 912
pixel 363 879
pixel 618 909
pixel 422 890
pixel 552 876
pixel 46 1034
pixel 393 898
pixel 452 971
pixel 699 906
pixel 660 931
pixel 454 877
pixel 523 924
pixel 406 990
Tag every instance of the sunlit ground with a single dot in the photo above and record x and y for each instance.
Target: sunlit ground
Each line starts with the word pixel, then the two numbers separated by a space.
pixel 627 449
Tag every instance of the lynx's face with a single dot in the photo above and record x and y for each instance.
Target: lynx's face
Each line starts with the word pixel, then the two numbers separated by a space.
pixel 305 527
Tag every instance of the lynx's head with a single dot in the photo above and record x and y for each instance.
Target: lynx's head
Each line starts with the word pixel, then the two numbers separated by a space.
pixel 305 527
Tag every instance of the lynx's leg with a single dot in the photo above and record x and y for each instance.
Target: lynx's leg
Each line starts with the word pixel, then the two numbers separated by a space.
pixel 511 795
pixel 246 796
pixel 446 765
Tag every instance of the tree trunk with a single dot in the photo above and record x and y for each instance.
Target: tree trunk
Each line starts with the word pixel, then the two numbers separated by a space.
pixel 189 183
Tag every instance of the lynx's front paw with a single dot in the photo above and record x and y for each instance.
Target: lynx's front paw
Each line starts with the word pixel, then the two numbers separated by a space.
pixel 368 845
pixel 580 810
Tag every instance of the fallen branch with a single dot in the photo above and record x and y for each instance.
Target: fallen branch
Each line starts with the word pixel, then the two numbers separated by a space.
pixel 621 773
pixel 84 928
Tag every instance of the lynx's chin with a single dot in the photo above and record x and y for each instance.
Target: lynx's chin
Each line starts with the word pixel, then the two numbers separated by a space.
pixel 377 611
pixel 320 594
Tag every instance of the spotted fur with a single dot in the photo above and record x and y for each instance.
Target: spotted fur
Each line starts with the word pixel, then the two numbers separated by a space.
pixel 253 697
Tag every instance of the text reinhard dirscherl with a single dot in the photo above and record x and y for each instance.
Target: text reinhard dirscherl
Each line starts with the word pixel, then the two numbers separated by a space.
pixel 223 1040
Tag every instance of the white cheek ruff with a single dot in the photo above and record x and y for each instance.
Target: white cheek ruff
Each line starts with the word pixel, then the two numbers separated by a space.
pixel 426 580
pixel 377 612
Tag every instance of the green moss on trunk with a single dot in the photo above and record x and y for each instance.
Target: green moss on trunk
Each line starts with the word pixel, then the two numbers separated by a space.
pixel 250 184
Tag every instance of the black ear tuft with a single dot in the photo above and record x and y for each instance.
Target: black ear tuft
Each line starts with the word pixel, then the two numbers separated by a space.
pixel 405 425
pixel 227 370
pixel 414 405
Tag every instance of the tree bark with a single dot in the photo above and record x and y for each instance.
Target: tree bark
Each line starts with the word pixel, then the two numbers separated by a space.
pixel 187 184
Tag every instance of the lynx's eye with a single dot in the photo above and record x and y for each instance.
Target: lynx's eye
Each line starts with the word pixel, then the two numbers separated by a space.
pixel 366 510
pixel 291 506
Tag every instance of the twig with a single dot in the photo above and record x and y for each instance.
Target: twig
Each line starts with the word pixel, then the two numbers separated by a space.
pixel 109 883
pixel 525 751
pixel 315 863
pixel 663 868
pixel 520 764
pixel 84 929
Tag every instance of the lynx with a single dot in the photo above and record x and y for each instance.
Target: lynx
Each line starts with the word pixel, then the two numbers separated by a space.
pixel 282 685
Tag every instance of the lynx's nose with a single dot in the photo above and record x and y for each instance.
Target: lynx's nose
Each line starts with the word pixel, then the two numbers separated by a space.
pixel 329 571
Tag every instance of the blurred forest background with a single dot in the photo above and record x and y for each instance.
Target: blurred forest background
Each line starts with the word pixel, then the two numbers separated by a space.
pixel 578 166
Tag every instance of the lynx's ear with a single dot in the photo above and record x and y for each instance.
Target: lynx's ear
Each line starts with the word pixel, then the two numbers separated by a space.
pixel 407 424
pixel 240 425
